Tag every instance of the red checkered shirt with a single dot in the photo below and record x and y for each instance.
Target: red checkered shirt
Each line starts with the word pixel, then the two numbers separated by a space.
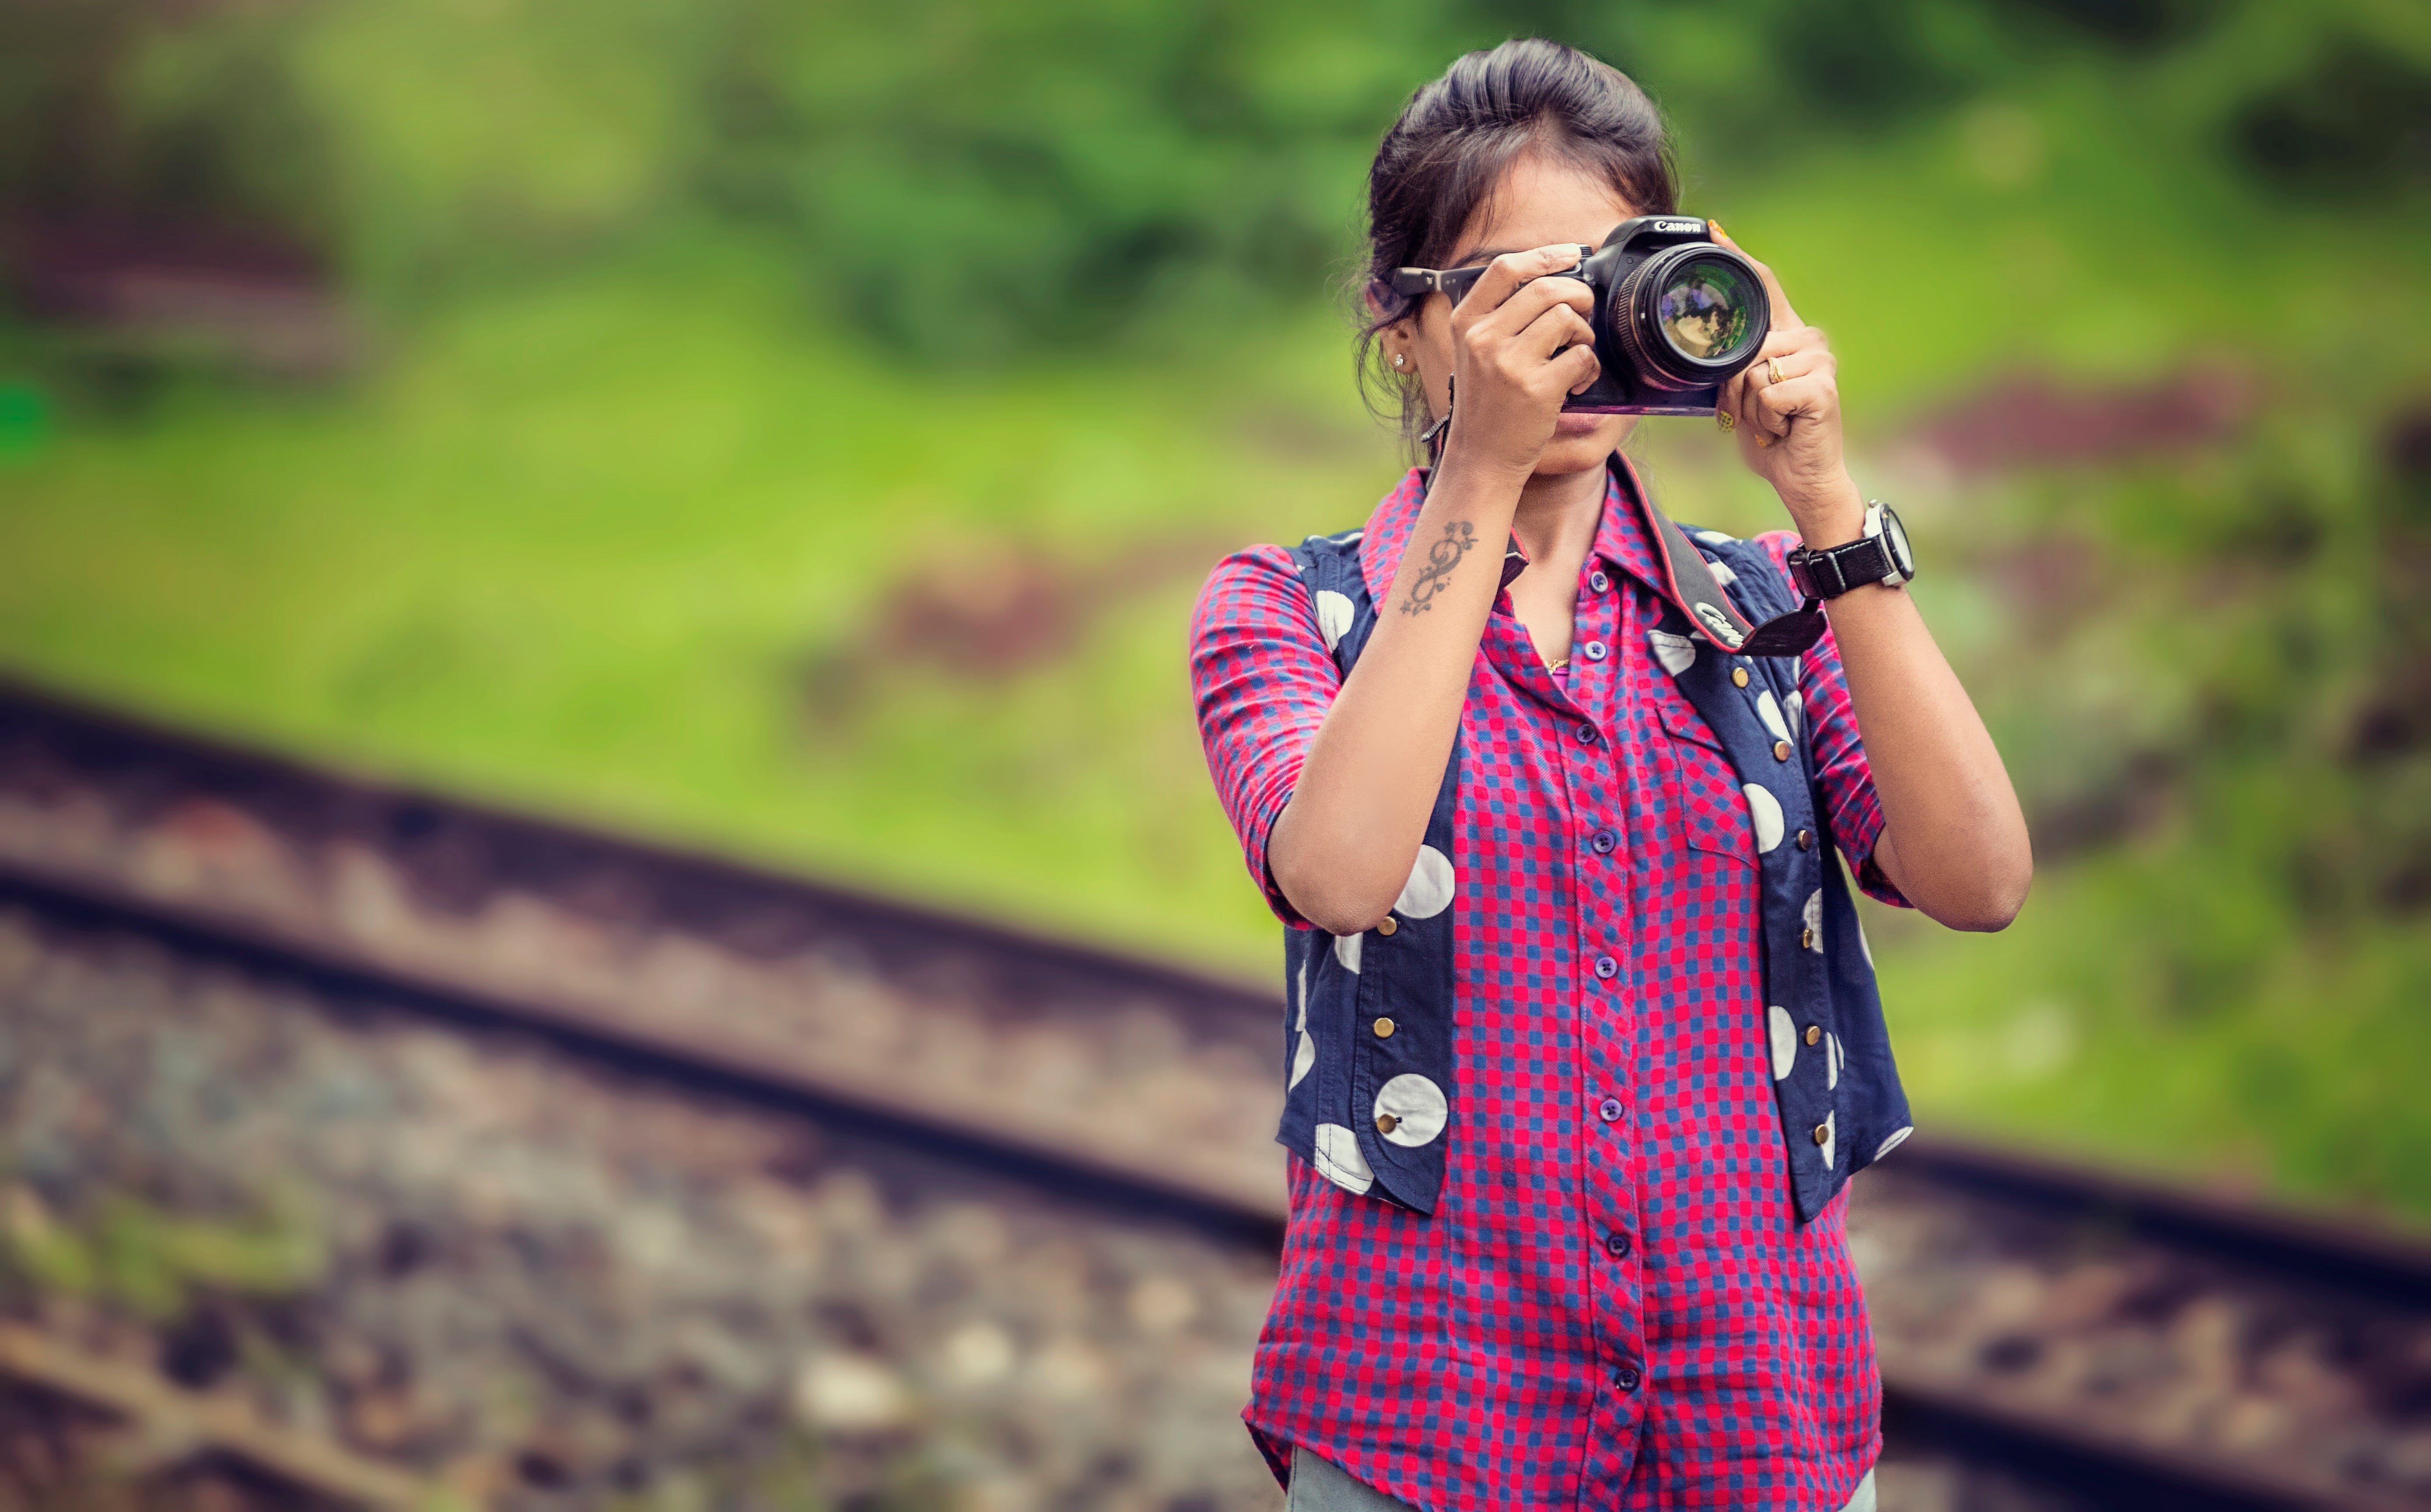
pixel 1614 1305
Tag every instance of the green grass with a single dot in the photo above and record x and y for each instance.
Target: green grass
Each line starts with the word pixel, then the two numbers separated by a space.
pixel 579 547
pixel 582 545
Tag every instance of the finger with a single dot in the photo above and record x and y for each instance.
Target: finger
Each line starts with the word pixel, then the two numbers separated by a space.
pixel 1811 397
pixel 1726 401
pixel 1781 367
pixel 1783 353
pixel 1577 367
pixel 1783 341
pixel 1522 309
pixel 1744 404
pixel 1509 272
pixel 1562 326
pixel 1782 313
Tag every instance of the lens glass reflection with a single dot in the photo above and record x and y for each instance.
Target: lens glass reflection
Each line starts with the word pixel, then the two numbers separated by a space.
pixel 1707 309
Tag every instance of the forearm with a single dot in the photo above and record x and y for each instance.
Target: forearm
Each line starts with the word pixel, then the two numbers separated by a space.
pixel 1343 847
pixel 1953 839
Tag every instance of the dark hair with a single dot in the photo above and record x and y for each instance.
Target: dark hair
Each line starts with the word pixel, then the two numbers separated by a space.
pixel 1451 146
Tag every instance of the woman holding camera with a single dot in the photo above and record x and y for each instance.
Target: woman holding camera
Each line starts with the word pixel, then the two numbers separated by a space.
pixel 1583 1041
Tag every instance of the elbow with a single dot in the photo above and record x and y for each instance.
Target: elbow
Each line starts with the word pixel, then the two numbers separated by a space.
pixel 1993 904
pixel 1336 903
pixel 1354 921
pixel 1335 886
pixel 1337 910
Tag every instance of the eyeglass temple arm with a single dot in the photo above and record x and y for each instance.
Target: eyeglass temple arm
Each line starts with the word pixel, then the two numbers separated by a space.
pixel 1412 283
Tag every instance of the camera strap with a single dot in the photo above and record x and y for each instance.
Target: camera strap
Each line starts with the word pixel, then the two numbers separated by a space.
pixel 1688 577
pixel 1689 584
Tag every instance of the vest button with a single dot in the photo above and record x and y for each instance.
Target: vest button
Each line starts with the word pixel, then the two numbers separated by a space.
pixel 1608 1110
pixel 1607 967
pixel 1813 1034
pixel 1805 839
pixel 1739 677
pixel 1781 750
pixel 1822 1132
pixel 1385 1030
pixel 1387 925
pixel 1807 939
pixel 1386 1123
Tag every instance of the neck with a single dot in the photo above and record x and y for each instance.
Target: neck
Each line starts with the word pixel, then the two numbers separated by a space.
pixel 1557 515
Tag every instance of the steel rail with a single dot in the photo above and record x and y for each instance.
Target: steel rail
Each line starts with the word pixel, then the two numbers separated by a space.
pixel 2051 1446
pixel 2113 1469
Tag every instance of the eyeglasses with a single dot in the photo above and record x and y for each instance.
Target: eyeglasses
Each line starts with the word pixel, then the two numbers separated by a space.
pixel 1453 283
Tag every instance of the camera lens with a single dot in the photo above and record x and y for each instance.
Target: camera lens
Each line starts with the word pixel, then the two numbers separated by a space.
pixel 1691 315
pixel 1705 310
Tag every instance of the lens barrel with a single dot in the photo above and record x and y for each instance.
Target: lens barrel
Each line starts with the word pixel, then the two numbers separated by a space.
pixel 1691 315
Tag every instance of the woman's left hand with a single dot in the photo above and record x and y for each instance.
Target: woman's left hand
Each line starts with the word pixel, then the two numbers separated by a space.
pixel 1785 408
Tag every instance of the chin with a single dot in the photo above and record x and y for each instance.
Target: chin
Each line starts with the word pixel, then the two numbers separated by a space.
pixel 1566 455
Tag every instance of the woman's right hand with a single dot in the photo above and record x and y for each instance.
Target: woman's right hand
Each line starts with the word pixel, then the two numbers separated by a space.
pixel 1521 344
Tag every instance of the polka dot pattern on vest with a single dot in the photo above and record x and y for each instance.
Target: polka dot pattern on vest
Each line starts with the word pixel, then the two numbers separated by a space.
pixel 1610 1147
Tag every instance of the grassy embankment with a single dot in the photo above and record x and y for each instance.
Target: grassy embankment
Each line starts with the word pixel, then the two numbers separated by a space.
pixel 600 547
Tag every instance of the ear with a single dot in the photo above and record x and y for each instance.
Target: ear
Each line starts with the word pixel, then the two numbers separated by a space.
pixel 1402 329
pixel 1399 336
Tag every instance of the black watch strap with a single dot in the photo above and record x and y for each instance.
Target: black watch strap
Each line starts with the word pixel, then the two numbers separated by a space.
pixel 1830 573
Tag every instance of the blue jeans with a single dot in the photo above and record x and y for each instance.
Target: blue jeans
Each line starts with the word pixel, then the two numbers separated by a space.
pixel 1319 1485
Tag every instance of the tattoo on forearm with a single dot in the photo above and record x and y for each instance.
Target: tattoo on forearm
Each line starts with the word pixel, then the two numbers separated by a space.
pixel 1442 557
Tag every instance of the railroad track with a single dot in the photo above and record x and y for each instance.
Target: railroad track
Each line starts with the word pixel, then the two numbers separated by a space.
pixel 2036 1321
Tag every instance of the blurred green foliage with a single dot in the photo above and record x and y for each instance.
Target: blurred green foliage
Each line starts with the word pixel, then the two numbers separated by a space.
pixel 966 181
pixel 718 355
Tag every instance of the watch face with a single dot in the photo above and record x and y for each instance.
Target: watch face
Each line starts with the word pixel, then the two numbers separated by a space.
pixel 1895 536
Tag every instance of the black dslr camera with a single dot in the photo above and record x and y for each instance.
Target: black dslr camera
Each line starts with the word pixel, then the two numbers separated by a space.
pixel 1676 314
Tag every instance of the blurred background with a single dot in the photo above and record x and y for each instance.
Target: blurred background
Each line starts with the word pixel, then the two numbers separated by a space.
pixel 799 432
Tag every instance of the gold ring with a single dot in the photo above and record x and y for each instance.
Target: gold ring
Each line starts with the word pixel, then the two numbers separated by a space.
pixel 1723 418
pixel 1772 370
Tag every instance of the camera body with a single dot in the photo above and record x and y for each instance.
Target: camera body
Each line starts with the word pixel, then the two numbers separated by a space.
pixel 1677 315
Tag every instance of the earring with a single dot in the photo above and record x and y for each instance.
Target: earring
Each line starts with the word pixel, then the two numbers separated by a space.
pixel 1398 360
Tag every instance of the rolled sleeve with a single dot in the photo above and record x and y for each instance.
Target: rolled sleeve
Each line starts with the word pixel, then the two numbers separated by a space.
pixel 1263 679
pixel 1830 722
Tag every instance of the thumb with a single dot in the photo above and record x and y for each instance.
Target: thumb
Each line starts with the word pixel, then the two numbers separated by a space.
pixel 1783 318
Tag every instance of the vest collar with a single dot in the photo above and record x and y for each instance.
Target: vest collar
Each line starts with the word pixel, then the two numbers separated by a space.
pixel 1625 538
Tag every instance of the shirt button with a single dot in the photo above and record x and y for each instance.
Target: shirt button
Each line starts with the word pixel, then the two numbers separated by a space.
pixel 1608 1110
pixel 1805 839
pixel 1596 650
pixel 1813 1034
pixel 1385 1030
pixel 1781 750
pixel 1607 967
pixel 1739 677
pixel 1603 842
pixel 1616 1244
pixel 1627 1378
pixel 1388 924
pixel 1597 581
pixel 1588 734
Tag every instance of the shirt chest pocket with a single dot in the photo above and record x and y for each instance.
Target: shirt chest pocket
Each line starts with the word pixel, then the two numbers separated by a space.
pixel 1699 787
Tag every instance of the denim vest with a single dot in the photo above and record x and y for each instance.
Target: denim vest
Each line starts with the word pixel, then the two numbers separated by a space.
pixel 1372 1113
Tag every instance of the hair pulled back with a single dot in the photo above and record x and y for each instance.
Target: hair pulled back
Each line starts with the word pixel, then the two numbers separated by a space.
pixel 1450 148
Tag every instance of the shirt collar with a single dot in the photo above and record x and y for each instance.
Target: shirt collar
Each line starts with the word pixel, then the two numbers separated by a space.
pixel 1623 536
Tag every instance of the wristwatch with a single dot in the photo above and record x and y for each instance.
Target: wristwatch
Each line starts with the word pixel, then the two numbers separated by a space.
pixel 1881 555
